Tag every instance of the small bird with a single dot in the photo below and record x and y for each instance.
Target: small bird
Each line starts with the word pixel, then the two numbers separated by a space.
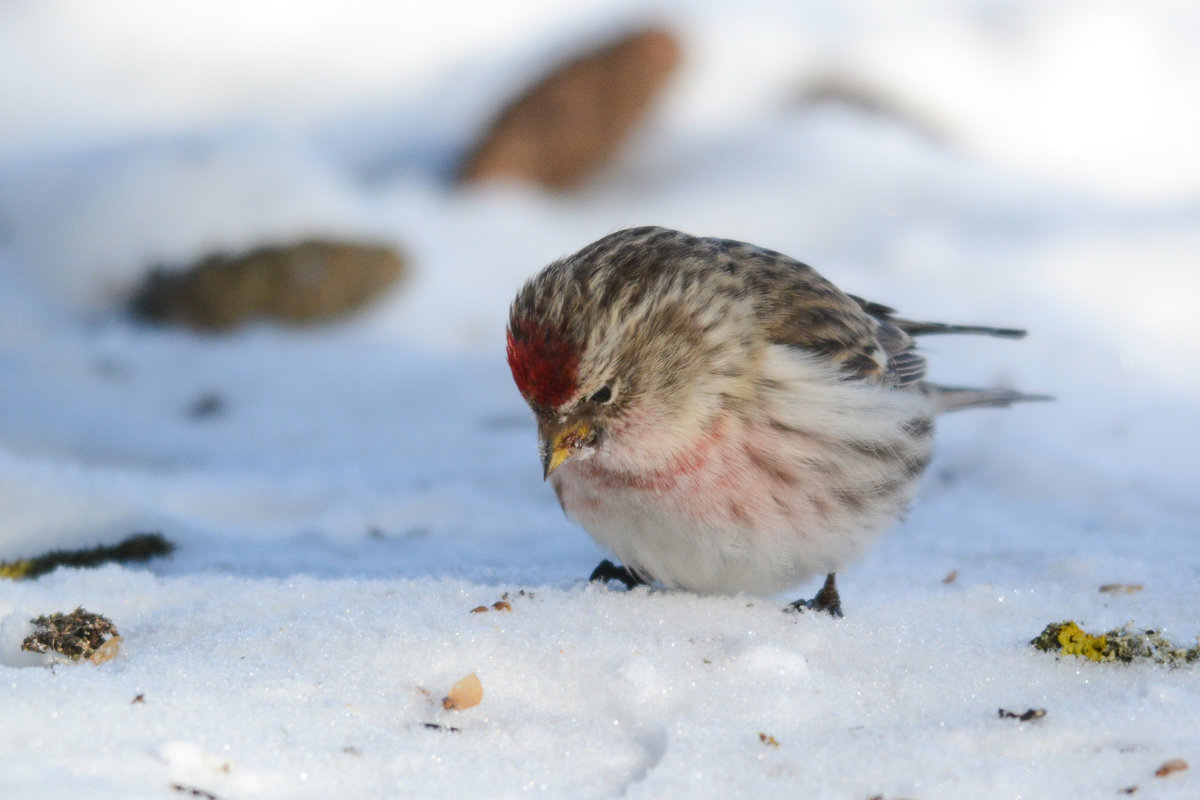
pixel 721 417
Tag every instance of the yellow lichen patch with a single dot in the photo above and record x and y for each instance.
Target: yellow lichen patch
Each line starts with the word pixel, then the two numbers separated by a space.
pixel 1127 645
pixel 15 570
pixel 1074 641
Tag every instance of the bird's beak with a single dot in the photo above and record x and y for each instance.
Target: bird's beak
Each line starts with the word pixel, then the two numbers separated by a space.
pixel 560 443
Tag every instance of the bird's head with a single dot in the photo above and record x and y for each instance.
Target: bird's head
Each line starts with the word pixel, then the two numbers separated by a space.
pixel 626 362
pixel 574 401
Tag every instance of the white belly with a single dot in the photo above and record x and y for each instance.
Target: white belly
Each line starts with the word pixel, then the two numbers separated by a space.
pixel 729 525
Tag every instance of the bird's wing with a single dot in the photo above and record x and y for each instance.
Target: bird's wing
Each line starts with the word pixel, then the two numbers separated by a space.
pixel 857 336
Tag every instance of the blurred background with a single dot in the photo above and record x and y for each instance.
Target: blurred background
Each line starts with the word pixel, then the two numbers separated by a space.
pixel 140 133
pixel 256 257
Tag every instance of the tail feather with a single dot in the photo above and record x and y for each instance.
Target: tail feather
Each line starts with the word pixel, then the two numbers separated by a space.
pixel 917 328
pixel 914 328
pixel 908 366
pixel 956 398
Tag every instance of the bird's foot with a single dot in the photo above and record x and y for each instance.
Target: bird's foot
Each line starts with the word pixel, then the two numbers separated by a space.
pixel 827 600
pixel 607 571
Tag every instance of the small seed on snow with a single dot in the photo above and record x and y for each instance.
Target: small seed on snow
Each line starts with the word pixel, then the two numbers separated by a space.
pixel 466 693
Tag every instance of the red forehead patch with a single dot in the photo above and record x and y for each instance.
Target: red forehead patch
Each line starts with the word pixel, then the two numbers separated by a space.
pixel 543 364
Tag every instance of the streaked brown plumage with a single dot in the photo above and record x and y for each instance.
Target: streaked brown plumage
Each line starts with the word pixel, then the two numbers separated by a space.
pixel 721 416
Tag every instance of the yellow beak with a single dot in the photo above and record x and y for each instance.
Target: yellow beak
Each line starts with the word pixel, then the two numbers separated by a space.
pixel 558 446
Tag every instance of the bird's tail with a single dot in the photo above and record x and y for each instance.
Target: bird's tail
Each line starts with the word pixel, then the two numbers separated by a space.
pixel 915 328
pixel 956 398
pixel 951 398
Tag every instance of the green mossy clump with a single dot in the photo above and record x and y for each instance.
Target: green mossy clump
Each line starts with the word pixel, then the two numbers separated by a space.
pixel 77 635
pixel 1121 644
pixel 136 548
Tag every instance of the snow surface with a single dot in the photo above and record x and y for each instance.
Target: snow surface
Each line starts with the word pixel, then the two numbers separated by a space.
pixel 370 482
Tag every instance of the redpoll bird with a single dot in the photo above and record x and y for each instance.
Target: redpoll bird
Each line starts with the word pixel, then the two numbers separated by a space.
pixel 720 416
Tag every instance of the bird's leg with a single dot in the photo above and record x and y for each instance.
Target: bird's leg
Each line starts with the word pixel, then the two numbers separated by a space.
pixel 607 571
pixel 826 600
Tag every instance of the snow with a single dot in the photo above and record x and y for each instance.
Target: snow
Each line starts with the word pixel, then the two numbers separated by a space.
pixel 370 482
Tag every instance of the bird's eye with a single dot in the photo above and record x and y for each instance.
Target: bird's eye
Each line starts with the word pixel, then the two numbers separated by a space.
pixel 602 395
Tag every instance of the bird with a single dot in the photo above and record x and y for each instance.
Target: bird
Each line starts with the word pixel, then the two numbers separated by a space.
pixel 722 418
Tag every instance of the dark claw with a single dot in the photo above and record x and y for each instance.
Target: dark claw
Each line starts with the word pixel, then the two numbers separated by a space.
pixel 607 571
pixel 826 600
